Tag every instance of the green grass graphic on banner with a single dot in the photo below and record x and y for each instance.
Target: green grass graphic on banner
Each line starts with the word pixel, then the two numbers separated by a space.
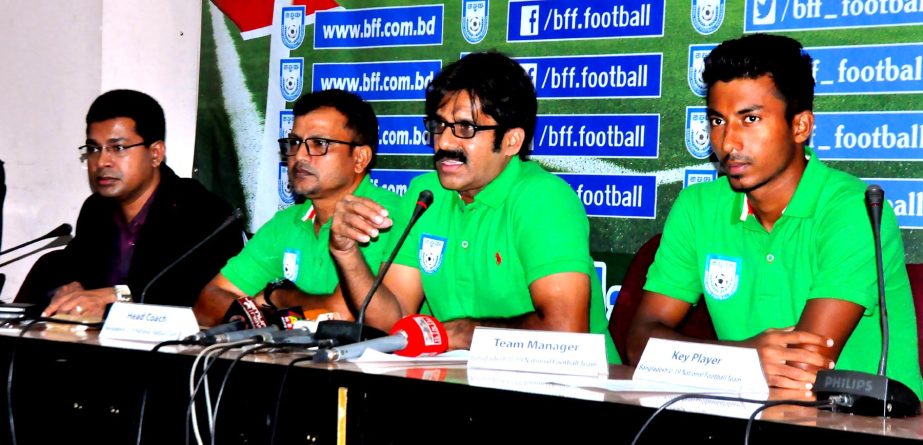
pixel 583 53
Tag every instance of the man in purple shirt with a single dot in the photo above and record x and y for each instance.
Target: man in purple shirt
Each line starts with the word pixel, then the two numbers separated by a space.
pixel 141 218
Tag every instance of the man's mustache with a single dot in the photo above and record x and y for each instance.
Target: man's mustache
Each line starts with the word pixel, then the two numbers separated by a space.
pixel 735 158
pixel 107 173
pixel 455 155
pixel 303 166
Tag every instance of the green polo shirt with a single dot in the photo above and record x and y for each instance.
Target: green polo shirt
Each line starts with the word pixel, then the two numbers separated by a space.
pixel 821 247
pixel 286 247
pixel 477 260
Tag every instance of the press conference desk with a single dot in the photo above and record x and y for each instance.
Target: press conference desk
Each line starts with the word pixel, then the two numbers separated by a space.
pixel 70 389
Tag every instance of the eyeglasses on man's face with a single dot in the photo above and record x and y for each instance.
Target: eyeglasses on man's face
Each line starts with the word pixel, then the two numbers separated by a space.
pixel 461 129
pixel 92 152
pixel 316 146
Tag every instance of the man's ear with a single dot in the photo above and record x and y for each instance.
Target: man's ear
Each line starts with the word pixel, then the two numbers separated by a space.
pixel 362 157
pixel 512 141
pixel 158 153
pixel 803 126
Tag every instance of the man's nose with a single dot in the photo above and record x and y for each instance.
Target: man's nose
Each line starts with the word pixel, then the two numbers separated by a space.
pixel 446 140
pixel 104 157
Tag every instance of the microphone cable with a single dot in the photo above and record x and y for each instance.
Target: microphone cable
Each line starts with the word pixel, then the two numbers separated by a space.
pixel 769 404
pixel 28 324
pixel 155 349
pixel 214 351
pixel 252 350
pixel 764 405
pixel 162 344
pixel 213 421
pixel 9 382
pixel 275 416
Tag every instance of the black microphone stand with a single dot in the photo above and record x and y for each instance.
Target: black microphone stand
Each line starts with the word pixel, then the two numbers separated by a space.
pixel 859 392
pixel 347 332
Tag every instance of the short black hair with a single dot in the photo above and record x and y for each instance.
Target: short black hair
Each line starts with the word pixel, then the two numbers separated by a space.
pixel 135 105
pixel 781 58
pixel 360 117
pixel 501 85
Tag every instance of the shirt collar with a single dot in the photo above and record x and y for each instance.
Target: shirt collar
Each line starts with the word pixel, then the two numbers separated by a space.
pixel 496 191
pixel 309 215
pixel 804 201
pixel 135 224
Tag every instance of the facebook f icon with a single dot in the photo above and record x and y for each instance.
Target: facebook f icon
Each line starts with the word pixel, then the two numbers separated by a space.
pixel 531 69
pixel 528 21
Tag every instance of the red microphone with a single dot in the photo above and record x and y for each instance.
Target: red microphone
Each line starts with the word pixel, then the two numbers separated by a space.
pixel 412 336
pixel 425 335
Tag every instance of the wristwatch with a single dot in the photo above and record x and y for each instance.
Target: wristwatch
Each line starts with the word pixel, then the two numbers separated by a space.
pixel 273 285
pixel 122 293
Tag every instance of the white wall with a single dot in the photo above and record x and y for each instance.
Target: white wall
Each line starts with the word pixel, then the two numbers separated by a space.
pixel 153 46
pixel 58 56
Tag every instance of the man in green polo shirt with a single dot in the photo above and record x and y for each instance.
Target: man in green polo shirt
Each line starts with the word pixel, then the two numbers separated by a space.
pixel 504 243
pixel 329 152
pixel 781 246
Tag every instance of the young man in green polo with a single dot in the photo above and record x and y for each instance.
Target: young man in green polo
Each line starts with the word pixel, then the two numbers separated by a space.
pixel 781 246
pixel 329 152
pixel 504 244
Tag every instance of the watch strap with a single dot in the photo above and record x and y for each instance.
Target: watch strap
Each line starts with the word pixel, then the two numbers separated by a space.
pixel 122 293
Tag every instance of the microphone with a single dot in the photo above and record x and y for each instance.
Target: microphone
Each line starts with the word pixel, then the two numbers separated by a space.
pixel 297 337
pixel 346 332
pixel 286 319
pixel 246 310
pixel 220 329
pixel 412 336
pixel 264 334
pixel 235 215
pixel 62 230
pixel 244 314
pixel 859 392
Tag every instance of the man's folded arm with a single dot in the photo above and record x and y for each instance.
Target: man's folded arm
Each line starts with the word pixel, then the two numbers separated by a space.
pixel 831 318
pixel 657 316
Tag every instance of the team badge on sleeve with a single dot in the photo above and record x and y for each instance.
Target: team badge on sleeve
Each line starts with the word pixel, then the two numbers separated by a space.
pixel 722 276
pixel 290 261
pixel 432 249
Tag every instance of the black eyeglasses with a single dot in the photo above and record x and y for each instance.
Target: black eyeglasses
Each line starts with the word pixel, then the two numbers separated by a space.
pixel 92 152
pixel 316 146
pixel 461 129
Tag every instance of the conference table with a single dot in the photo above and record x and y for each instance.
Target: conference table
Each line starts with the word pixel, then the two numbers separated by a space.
pixel 69 386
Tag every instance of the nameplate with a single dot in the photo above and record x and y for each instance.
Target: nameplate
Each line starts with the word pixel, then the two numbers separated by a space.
pixel 727 369
pixel 548 352
pixel 148 322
